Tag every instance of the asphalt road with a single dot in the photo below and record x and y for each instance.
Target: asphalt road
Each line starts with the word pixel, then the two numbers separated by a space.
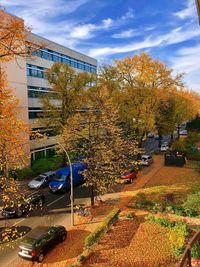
pixel 151 145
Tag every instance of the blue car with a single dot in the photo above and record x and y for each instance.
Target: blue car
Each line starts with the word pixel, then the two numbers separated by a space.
pixel 61 181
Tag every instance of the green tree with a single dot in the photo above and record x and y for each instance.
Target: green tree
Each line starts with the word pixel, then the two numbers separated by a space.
pixel 66 96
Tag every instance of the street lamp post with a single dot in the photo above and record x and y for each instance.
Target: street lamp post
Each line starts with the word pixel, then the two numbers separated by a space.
pixel 71 182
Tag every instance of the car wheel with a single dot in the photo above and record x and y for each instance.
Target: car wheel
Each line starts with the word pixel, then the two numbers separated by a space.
pixel 63 238
pixel 41 257
pixel 19 213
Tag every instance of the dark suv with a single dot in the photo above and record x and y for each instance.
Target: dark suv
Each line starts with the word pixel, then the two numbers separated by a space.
pixel 26 204
pixel 40 240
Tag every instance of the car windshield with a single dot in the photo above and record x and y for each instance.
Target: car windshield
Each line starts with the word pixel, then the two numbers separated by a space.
pixel 144 158
pixel 60 177
pixel 40 178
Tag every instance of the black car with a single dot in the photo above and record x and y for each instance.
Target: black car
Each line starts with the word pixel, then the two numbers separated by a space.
pixel 40 240
pixel 26 204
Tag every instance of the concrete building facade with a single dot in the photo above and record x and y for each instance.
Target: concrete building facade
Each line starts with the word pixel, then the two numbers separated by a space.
pixel 27 78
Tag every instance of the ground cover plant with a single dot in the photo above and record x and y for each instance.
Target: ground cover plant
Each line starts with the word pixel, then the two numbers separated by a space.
pixel 189 206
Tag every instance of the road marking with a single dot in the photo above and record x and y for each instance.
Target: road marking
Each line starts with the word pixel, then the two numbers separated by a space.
pixel 18 222
pixel 55 201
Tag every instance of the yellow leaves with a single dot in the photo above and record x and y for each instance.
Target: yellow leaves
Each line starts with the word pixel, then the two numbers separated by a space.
pixel 12 37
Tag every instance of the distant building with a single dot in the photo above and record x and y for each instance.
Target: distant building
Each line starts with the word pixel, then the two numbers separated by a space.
pixel 27 78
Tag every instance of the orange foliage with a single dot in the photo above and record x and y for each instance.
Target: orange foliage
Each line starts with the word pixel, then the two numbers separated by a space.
pixel 12 152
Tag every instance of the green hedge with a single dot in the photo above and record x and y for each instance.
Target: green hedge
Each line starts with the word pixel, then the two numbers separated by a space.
pixel 100 231
pixel 193 155
pixel 25 173
pixel 46 164
pixel 40 166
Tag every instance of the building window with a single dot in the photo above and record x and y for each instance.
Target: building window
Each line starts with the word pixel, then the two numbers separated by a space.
pixel 36 71
pixel 43 152
pixel 58 57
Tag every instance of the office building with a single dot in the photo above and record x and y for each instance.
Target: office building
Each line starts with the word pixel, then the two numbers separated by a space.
pixel 27 78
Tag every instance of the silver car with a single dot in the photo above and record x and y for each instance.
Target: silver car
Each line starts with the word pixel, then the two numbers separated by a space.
pixel 146 160
pixel 42 180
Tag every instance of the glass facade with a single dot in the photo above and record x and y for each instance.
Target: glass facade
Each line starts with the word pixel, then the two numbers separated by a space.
pixel 36 71
pixel 38 92
pixel 35 113
pixel 58 57
pixel 43 152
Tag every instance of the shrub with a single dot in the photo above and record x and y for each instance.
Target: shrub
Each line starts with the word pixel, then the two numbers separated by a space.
pixel 158 207
pixel 141 202
pixel 192 202
pixel 195 251
pixel 177 236
pixel 100 231
pixel 130 215
pixel 25 173
pixel 161 221
pixel 192 139
pixel 193 155
pixel 46 164
pixel 179 145
pixel 179 210
pixel 169 198
pixel 83 255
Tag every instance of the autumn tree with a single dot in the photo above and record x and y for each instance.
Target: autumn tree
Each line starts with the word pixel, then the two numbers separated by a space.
pixel 143 82
pixel 95 134
pixel 12 138
pixel 185 107
pixel 14 40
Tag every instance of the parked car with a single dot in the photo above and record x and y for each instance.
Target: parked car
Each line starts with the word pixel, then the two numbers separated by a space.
pixel 61 181
pixel 146 160
pixel 164 147
pixel 25 206
pixel 175 158
pixel 129 175
pixel 42 180
pixel 183 132
pixel 37 242
pixel 156 137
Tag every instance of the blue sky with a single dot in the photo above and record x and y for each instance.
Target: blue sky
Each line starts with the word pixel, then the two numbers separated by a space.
pixel 114 29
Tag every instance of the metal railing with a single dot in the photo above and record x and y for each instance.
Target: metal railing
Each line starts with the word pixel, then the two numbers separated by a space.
pixel 186 258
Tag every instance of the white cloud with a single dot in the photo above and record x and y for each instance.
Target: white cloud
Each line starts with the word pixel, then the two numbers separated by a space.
pixel 82 31
pixel 40 8
pixel 86 31
pixel 177 35
pixel 187 60
pixel 126 34
pixel 188 12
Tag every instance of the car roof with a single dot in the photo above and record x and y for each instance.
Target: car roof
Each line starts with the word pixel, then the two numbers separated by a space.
pixel 38 232
pixel 145 156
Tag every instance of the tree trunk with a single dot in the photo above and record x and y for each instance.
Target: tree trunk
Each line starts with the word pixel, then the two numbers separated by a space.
pixel 160 141
pixel 172 137
pixel 178 131
pixel 92 196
